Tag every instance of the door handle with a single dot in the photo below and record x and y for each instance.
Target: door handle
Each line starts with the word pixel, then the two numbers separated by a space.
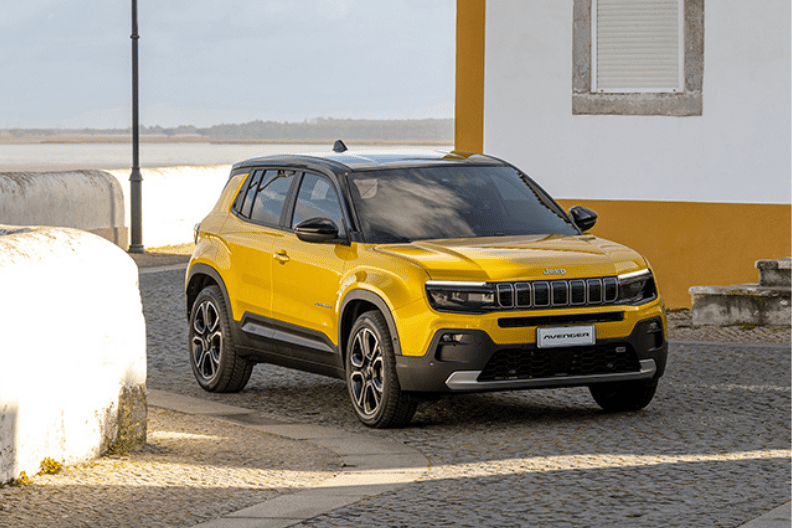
pixel 281 256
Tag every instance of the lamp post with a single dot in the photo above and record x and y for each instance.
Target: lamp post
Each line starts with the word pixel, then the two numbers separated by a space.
pixel 135 179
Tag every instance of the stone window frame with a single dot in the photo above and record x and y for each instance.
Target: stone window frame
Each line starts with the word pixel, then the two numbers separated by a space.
pixel 685 103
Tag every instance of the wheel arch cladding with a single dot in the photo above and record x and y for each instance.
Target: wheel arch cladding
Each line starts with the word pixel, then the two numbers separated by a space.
pixel 199 277
pixel 354 304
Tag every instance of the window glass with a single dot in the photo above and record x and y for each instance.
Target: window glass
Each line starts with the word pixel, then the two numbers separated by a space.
pixel 271 195
pixel 240 193
pixel 400 205
pixel 247 202
pixel 317 199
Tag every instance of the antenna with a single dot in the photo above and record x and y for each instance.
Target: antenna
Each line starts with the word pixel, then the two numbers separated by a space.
pixel 339 146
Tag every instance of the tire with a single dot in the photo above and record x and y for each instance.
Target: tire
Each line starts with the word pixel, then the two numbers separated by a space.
pixel 624 396
pixel 371 379
pixel 213 357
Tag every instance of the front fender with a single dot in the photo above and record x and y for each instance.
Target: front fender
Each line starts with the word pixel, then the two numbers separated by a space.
pixel 382 306
pixel 386 290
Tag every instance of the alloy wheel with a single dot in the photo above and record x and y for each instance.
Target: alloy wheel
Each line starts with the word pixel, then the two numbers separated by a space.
pixel 366 377
pixel 207 340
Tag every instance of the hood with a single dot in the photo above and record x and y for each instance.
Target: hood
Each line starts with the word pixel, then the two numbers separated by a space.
pixel 519 258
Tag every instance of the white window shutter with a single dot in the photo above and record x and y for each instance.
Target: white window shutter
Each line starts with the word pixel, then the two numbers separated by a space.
pixel 637 46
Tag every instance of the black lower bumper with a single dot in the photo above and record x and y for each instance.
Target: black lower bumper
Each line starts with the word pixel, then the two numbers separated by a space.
pixel 469 361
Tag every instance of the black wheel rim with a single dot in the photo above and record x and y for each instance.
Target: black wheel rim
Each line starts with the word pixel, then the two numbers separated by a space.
pixel 366 372
pixel 207 341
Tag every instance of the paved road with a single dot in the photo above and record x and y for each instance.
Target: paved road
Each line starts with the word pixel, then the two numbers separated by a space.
pixel 711 450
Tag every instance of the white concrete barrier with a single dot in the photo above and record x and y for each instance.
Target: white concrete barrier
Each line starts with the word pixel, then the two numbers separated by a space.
pixel 174 199
pixel 72 349
pixel 89 200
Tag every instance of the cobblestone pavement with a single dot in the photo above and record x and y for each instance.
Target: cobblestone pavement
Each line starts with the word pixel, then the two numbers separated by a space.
pixel 711 450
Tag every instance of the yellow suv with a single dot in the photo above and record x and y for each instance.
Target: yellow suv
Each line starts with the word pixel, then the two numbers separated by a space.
pixel 412 274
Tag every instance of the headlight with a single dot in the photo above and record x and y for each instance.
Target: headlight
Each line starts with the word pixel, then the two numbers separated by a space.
pixel 461 296
pixel 196 230
pixel 636 288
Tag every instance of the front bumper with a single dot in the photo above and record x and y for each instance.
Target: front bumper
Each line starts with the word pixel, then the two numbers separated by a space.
pixel 474 363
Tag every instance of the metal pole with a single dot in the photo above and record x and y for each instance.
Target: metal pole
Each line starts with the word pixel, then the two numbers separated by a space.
pixel 135 179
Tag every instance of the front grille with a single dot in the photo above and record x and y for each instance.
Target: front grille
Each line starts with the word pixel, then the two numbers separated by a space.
pixel 534 363
pixel 558 293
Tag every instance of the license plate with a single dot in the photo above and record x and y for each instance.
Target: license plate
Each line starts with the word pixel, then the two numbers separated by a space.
pixel 565 336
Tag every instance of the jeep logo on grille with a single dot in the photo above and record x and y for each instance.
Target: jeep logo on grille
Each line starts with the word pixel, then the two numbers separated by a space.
pixel 559 271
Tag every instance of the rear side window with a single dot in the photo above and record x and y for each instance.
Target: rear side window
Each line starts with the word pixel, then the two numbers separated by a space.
pixel 247 201
pixel 240 193
pixel 262 196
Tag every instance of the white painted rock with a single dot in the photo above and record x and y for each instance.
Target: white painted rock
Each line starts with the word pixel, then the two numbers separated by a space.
pixel 72 348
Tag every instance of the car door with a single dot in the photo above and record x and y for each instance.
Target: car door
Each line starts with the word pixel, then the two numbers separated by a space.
pixel 306 275
pixel 250 233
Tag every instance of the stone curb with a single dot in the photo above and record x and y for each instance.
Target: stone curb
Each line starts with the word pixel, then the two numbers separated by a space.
pixel 371 466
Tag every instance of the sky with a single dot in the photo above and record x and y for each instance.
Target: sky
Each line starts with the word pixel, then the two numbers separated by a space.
pixel 67 63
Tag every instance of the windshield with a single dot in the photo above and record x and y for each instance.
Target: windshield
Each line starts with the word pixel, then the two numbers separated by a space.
pixel 400 205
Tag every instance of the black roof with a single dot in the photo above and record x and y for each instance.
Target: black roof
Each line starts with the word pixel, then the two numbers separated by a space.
pixel 368 160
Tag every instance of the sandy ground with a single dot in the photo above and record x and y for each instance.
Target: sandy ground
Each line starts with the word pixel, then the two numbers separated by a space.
pixel 191 469
pixel 164 256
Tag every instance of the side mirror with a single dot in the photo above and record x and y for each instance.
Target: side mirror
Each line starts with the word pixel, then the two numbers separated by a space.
pixel 583 217
pixel 316 230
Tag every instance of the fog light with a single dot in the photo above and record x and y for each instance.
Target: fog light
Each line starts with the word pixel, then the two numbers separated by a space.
pixel 655 329
pixel 451 338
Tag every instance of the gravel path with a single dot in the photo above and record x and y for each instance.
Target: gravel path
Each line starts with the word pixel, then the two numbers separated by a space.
pixel 712 449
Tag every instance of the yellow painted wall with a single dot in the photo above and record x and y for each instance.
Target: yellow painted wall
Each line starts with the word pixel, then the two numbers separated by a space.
pixel 695 244
pixel 469 109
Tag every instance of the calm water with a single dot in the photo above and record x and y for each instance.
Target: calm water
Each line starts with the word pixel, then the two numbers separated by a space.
pixel 71 156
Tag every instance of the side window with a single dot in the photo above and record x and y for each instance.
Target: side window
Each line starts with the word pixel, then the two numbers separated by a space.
pixel 245 197
pixel 237 205
pixel 317 199
pixel 272 192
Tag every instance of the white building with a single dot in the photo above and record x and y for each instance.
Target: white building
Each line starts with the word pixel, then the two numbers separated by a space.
pixel 669 119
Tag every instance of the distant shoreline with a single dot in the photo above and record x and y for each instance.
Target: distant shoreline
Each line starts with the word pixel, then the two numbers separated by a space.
pixel 320 131
pixel 73 152
pixel 67 139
